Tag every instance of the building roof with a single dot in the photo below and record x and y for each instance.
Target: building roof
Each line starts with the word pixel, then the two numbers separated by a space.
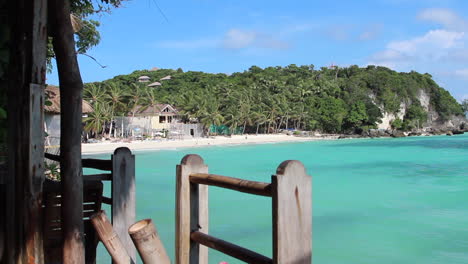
pixel 154 84
pixel 166 78
pixel 156 110
pixel 144 78
pixel 52 94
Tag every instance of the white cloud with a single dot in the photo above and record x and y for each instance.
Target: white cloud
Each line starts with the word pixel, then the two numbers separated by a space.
pixel 371 32
pixel 446 17
pixel 462 73
pixel 338 32
pixel 433 46
pixel 236 39
pixel 233 39
pixel 190 44
pixel 431 42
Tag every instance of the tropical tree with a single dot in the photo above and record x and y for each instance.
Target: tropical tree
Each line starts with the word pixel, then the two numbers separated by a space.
pixel 94 93
pixel 210 115
pixel 464 105
pixel 116 97
pixel 97 119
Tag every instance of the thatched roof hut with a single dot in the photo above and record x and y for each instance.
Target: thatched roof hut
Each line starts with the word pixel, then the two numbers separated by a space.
pixel 52 94
pixel 154 84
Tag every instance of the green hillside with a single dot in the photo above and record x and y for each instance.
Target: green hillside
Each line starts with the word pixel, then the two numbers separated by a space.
pixel 335 100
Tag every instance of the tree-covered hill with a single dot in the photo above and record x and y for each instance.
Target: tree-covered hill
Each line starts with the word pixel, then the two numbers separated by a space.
pixel 336 100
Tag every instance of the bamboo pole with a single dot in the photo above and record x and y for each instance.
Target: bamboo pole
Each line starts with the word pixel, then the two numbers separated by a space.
pixel 110 239
pixel 146 239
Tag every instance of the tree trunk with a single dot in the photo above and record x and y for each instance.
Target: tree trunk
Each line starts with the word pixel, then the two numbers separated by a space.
pixel 71 87
pixel 110 127
pixel 243 129
pixel 258 125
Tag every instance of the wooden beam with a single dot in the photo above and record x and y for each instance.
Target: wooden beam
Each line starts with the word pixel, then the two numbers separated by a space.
pixel 292 214
pixel 191 211
pixel 98 177
pixel 87 163
pixel 252 187
pixel 123 196
pixel 71 86
pixel 230 249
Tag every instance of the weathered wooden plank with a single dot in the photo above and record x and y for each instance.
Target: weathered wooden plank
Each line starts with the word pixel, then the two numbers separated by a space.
pixel 87 163
pixel 252 187
pixel 147 241
pixel 191 211
pixel 110 239
pixel 98 177
pixel 107 200
pixel 123 196
pixel 230 249
pixel 292 214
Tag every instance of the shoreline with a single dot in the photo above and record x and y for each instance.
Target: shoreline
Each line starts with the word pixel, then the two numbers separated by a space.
pixel 154 145
pixel 108 147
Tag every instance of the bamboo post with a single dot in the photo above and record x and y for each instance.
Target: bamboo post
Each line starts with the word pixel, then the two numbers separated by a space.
pixel 123 196
pixel 292 214
pixel 110 239
pixel 191 211
pixel 146 240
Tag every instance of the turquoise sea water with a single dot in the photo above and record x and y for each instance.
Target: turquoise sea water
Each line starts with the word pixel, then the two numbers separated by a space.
pixel 374 200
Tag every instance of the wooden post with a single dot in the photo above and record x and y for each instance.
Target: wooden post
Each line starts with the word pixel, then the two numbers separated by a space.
pixel 292 214
pixel 123 196
pixel 110 239
pixel 146 239
pixel 71 87
pixel 26 29
pixel 191 211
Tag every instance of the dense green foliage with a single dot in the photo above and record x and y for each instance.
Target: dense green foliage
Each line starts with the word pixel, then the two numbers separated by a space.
pixel 338 100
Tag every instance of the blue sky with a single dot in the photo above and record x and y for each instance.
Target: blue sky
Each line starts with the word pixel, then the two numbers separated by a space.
pixel 232 35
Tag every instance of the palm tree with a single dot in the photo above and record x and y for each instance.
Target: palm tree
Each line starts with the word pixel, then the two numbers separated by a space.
pixel 96 120
pixel 151 100
pixel 259 118
pixel 210 115
pixel 115 96
pixel 93 93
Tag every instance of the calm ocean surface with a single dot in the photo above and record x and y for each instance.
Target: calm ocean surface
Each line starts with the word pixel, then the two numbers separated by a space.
pixel 374 200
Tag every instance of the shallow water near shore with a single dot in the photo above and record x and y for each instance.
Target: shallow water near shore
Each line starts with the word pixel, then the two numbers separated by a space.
pixel 374 200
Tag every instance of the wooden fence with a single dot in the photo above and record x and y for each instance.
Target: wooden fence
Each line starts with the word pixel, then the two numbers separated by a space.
pixel 291 193
pixel 120 170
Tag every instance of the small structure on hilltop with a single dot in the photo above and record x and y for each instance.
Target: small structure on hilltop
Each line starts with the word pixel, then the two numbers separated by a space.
pixel 144 78
pixel 52 115
pixel 154 84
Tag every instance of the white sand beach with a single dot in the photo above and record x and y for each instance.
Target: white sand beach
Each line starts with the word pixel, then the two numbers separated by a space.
pixel 138 145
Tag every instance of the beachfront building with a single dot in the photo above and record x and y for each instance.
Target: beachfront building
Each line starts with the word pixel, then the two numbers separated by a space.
pixel 159 120
pixel 52 115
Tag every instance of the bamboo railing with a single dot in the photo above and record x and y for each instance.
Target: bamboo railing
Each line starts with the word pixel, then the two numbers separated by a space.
pixel 291 193
pixel 120 171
